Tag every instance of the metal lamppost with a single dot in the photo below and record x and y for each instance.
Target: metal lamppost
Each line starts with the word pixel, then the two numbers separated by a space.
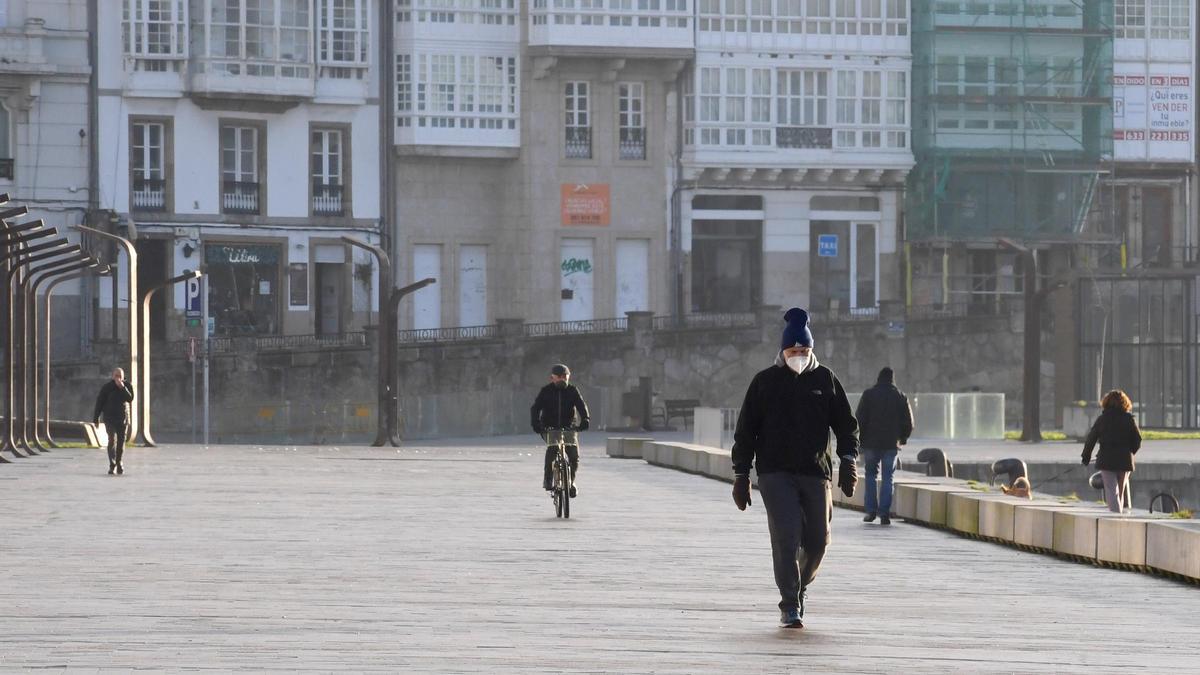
pixel 55 249
pixel 144 385
pixel 389 303
pixel 44 430
pixel 132 290
pixel 29 403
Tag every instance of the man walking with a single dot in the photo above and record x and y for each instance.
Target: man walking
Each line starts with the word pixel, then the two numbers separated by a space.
pixel 113 403
pixel 886 422
pixel 783 431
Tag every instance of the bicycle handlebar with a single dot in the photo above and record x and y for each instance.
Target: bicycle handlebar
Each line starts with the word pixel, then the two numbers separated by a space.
pixel 572 428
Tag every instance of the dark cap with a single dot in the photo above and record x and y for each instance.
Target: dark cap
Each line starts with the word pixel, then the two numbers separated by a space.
pixel 560 370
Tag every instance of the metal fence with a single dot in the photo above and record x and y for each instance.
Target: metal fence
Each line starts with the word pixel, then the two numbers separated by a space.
pixel 458 334
pixel 574 327
pixel 269 343
pixel 722 320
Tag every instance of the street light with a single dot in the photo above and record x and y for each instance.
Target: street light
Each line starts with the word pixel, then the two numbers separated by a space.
pixel 131 282
pixel 389 303
pixel 144 385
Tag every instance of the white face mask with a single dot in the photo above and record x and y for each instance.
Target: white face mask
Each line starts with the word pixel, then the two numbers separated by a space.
pixel 799 363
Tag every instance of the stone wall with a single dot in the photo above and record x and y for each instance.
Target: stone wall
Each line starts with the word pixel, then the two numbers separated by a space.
pixel 484 387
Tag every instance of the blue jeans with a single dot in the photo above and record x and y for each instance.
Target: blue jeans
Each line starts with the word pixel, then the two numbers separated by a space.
pixel 881 504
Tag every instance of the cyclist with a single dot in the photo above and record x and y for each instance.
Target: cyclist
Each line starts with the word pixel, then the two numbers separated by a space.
pixel 555 407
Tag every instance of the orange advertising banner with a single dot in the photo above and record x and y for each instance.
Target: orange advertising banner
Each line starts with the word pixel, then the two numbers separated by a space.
pixel 585 204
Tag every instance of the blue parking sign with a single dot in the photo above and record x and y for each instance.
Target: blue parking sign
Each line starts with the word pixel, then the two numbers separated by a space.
pixel 827 245
pixel 195 301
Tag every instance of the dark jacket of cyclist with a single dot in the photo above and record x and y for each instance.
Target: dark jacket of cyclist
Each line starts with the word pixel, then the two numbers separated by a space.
pixel 556 407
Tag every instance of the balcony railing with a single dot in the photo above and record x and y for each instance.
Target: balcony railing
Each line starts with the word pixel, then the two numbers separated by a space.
pixel 239 197
pixel 327 199
pixel 149 194
pixel 571 327
pixel 707 320
pixel 805 138
pixel 632 144
pixel 6 168
pixel 268 343
pixel 579 142
pixel 606 24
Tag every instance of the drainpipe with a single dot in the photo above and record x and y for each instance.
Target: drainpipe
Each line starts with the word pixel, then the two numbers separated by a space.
pixel 87 287
pixel 677 309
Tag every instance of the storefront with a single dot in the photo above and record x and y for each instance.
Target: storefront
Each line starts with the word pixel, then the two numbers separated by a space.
pixel 244 287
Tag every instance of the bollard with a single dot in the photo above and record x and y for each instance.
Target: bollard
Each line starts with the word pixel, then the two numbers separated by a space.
pixel 1012 467
pixel 1167 499
pixel 936 462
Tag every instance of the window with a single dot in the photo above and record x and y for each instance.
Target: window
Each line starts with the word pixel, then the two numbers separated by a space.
pixel 631 122
pixel 734 109
pixel 260 38
pixel 895 112
pixel 343 27
pixel 802 103
pixel 760 107
pixel 147 166
pixel 1170 19
pixel 456 91
pixel 328 172
pixel 154 32
pixel 1131 18
pixel 239 169
pixel 710 105
pixel 578 121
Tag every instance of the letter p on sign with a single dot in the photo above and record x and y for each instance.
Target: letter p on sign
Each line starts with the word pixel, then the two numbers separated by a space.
pixel 192 293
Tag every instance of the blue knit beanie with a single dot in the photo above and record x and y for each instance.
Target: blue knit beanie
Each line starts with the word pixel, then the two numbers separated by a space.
pixel 796 333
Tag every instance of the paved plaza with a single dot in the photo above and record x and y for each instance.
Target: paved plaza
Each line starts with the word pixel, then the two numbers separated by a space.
pixel 445 557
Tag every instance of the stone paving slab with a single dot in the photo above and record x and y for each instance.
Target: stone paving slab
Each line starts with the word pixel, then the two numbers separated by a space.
pixel 446 558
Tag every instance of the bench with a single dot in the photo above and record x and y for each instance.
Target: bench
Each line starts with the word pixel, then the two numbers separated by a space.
pixel 678 407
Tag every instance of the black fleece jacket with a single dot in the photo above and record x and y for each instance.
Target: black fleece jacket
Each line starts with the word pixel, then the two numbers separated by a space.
pixel 884 417
pixel 556 407
pixel 111 401
pixel 785 421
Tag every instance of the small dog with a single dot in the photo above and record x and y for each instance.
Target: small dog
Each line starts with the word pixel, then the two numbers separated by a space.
pixel 1020 488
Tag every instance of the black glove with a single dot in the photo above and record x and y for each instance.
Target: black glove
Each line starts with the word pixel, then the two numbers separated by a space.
pixel 539 430
pixel 1086 460
pixel 847 476
pixel 583 425
pixel 741 492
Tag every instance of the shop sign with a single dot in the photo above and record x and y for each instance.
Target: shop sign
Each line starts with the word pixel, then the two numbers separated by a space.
pixel 222 254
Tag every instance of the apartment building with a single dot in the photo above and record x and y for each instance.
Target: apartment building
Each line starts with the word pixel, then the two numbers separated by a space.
pixel 532 143
pixel 44 129
pixel 796 147
pixel 1013 135
pixel 243 136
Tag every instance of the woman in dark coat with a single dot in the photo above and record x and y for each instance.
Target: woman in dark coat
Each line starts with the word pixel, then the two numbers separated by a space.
pixel 1117 433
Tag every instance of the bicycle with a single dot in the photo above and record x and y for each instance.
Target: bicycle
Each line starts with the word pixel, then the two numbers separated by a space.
pixel 560 471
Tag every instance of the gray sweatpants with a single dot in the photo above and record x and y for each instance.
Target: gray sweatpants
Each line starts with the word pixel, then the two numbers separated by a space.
pixel 799 509
pixel 1116 490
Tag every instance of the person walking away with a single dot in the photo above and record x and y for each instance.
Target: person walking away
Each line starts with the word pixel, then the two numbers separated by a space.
pixel 885 422
pixel 556 406
pixel 1117 432
pixel 783 431
pixel 113 404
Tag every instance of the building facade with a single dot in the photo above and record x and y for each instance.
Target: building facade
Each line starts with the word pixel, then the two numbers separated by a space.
pixel 796 146
pixel 44 70
pixel 243 136
pixel 531 143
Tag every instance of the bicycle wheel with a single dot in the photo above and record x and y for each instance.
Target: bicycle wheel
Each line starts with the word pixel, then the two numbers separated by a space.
pixel 557 485
pixel 566 498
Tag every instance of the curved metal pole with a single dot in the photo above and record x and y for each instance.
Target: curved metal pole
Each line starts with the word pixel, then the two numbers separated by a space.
pixel 44 429
pixel 46 366
pixel 15 266
pixel 386 431
pixel 29 403
pixel 22 350
pixel 144 385
pixel 132 290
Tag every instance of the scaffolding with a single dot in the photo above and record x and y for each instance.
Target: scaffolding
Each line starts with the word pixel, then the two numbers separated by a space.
pixel 1012 121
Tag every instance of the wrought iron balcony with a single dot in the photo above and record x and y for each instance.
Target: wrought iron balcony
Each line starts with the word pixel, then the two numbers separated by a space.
pixel 579 142
pixel 327 199
pixel 239 197
pixel 149 194
pixel 632 144
pixel 804 137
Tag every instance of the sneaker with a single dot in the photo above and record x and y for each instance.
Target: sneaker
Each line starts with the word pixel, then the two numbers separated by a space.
pixel 573 491
pixel 885 520
pixel 120 469
pixel 112 468
pixel 790 618
pixel 869 518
